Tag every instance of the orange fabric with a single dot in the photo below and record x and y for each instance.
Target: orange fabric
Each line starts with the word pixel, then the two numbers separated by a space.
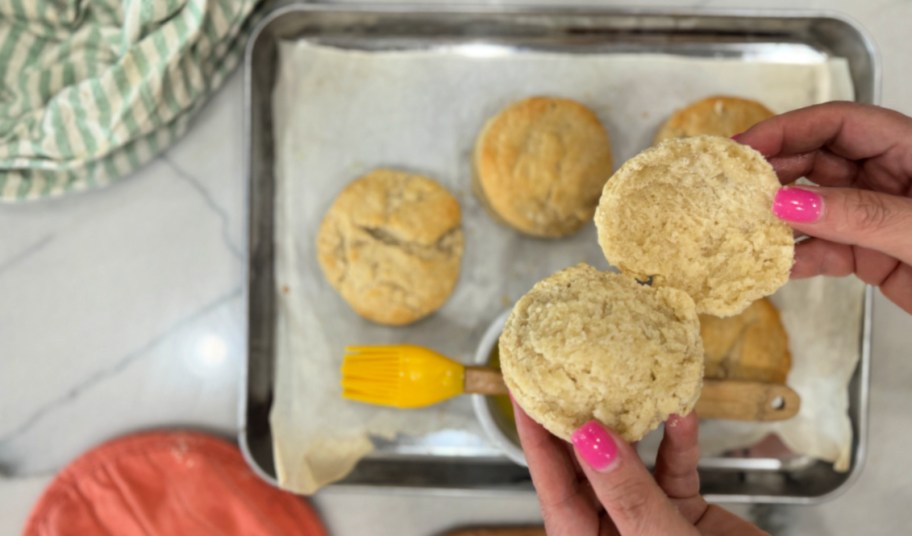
pixel 167 483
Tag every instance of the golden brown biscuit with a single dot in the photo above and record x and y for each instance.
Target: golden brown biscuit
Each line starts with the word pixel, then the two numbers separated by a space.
pixel 695 214
pixel 391 245
pixel 752 346
pixel 541 163
pixel 584 344
pixel 714 116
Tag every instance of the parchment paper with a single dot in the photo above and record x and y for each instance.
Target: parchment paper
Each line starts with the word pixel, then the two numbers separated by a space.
pixel 823 319
pixel 340 113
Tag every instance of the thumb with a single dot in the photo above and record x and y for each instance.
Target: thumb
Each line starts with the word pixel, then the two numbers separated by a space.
pixel 633 500
pixel 851 216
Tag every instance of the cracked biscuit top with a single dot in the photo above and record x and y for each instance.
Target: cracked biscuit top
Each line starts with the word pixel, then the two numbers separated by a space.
pixel 391 245
pixel 540 165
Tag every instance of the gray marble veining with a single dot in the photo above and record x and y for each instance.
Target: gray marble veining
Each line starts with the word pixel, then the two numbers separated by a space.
pixel 120 310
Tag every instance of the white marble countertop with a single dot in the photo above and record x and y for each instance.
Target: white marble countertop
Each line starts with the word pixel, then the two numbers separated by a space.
pixel 121 310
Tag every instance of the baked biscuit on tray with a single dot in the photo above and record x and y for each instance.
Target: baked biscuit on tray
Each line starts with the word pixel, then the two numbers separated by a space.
pixel 391 245
pixel 540 165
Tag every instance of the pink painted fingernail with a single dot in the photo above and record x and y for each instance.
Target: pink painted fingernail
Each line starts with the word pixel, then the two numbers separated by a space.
pixel 797 204
pixel 595 445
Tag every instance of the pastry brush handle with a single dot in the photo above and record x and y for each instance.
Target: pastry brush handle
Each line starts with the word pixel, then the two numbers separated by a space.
pixel 720 399
pixel 484 381
pixel 747 401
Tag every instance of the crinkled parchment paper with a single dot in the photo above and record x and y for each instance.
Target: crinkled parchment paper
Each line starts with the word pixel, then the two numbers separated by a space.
pixel 340 113
pixel 823 318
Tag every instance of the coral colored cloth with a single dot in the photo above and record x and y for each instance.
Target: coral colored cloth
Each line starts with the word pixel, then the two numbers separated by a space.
pixel 168 483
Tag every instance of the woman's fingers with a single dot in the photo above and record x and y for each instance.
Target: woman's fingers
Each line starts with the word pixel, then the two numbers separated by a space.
pixel 817 256
pixel 821 167
pixel 853 131
pixel 821 257
pixel 719 521
pixel 676 463
pixel 850 216
pixel 856 231
pixel 625 488
pixel 676 466
pixel 565 497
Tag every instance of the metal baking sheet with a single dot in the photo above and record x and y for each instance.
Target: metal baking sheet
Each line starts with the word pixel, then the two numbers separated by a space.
pixel 751 36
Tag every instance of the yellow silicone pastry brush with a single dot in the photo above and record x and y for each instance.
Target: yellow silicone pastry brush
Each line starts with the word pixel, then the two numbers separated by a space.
pixel 410 376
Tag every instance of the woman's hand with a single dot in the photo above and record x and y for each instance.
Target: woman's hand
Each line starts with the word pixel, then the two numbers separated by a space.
pixel 599 486
pixel 861 221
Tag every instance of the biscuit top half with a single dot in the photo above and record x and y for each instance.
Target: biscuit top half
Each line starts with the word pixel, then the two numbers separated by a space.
pixel 695 214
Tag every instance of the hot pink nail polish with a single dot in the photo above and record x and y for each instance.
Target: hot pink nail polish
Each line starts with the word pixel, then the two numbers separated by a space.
pixel 595 445
pixel 797 204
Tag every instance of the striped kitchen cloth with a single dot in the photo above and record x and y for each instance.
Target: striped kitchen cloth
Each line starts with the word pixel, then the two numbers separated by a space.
pixel 92 89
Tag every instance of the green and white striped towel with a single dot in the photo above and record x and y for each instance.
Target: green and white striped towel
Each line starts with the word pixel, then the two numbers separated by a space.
pixel 91 90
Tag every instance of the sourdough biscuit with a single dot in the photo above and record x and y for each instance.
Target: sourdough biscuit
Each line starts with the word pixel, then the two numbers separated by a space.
pixel 584 344
pixel 391 245
pixel 714 116
pixel 752 346
pixel 540 165
pixel 694 214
